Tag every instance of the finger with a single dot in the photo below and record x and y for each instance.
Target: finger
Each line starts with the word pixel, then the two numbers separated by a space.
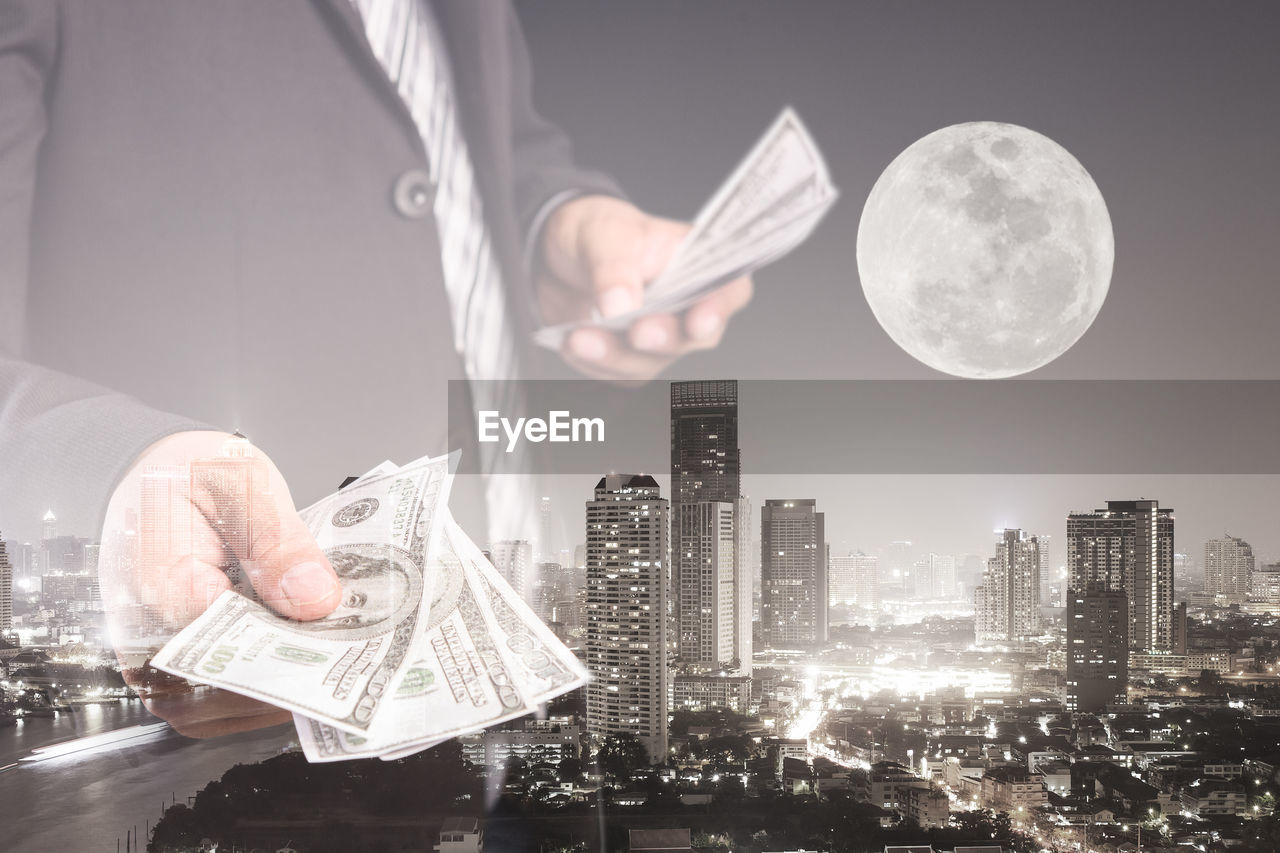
pixel 292 575
pixel 600 354
pixel 658 334
pixel 617 284
pixel 705 322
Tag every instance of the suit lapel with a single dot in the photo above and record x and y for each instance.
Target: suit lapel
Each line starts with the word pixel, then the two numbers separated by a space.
pixel 475 33
pixel 348 29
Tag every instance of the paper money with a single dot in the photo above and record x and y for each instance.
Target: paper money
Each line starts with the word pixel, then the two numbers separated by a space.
pixel 339 669
pixel 768 206
pixel 481 660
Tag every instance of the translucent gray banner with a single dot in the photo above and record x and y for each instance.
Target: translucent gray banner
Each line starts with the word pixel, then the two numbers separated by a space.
pixel 885 427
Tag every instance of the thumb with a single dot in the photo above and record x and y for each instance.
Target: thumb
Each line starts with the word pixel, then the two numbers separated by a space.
pixel 617 284
pixel 291 574
pixel 249 515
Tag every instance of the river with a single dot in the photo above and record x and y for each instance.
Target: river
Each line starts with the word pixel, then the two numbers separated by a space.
pixel 86 801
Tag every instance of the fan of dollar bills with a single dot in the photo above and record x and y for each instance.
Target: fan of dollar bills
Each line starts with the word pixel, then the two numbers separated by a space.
pixel 768 206
pixel 428 643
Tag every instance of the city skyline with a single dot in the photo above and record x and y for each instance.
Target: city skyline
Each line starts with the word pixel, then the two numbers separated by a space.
pixel 957 514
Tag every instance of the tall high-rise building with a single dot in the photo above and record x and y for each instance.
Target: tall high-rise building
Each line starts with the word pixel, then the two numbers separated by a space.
pixel 6 591
pixel 1097 649
pixel 793 574
pixel 705 460
pixel 895 569
pixel 1228 569
pixel 1180 637
pixel 1046 568
pixel 553 595
pixel 1186 573
pixel 64 554
pixel 546 541
pixel 1007 604
pixel 744 577
pixel 934 576
pixel 706 599
pixel 855 580
pixel 711 570
pixel 24 558
pixel 92 553
pixel 1265 586
pixel 1128 547
pixel 49 526
pixel 626 639
pixel 513 558
pixel 841 580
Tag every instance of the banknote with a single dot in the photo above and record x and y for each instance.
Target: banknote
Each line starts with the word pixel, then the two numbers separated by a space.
pixel 480 661
pixel 768 206
pixel 377 534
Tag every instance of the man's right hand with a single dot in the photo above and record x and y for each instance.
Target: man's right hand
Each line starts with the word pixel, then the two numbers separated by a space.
pixel 197 512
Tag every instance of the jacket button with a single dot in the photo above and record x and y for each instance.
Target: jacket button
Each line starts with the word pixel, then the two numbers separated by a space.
pixel 414 194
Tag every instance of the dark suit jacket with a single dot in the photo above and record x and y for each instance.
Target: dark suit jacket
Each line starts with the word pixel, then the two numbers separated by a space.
pixel 197 209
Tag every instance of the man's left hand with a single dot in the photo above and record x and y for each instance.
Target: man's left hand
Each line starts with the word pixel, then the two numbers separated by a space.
pixel 601 252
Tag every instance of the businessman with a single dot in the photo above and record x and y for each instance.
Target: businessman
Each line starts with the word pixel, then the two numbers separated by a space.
pixel 298 219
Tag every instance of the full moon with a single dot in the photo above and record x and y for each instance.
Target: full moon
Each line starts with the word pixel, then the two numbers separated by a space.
pixel 985 250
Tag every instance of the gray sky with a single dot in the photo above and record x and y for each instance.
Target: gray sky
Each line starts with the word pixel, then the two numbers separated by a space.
pixel 1169 105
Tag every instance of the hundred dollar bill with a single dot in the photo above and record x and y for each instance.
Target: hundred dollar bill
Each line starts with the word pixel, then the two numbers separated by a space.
pixel 377 534
pixel 782 174
pixel 768 206
pixel 481 662
pixel 458 679
pixel 541 665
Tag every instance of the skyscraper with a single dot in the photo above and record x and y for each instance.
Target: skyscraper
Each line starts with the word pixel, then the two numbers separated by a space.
pixel 1228 569
pixel 1007 604
pixel 1046 569
pixel 705 592
pixel 793 574
pixel 934 576
pixel 705 460
pixel 1097 649
pixel 895 568
pixel 711 570
pixel 513 558
pixel 552 595
pixel 627 626
pixel 1265 586
pixel 855 580
pixel 744 561
pixel 546 543
pixel 6 591
pixel 1128 547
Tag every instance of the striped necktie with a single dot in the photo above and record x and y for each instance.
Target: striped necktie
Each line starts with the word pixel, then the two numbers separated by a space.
pixel 403 37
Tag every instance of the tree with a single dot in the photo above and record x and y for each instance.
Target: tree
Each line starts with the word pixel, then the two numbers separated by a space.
pixel 621 755
pixel 569 769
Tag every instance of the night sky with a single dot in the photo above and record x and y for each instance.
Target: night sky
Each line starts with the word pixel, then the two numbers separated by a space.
pixel 1170 106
